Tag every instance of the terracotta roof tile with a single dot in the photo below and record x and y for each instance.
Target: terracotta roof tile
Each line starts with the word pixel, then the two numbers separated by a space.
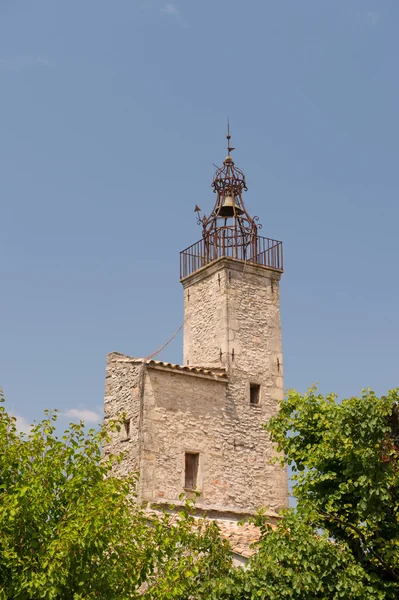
pixel 240 537
pixel 215 372
pixel 204 371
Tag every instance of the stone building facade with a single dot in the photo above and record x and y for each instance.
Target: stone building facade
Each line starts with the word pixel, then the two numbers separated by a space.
pixel 199 425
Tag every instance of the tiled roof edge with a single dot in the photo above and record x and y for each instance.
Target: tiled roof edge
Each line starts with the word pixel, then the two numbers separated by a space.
pixel 219 372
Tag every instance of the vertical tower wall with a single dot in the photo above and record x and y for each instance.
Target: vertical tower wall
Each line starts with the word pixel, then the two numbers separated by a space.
pixel 232 320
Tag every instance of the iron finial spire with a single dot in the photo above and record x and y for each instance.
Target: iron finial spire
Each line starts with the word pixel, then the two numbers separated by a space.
pixel 228 136
pixel 229 226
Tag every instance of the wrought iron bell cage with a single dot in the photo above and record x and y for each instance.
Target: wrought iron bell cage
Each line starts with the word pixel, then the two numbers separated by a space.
pixel 229 231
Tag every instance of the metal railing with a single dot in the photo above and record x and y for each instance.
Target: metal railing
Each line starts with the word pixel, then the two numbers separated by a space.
pixel 255 250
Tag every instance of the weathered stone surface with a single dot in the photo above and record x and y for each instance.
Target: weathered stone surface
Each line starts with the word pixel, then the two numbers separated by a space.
pixel 232 321
pixel 122 396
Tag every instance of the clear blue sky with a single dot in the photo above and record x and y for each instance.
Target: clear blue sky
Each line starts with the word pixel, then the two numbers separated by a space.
pixel 112 114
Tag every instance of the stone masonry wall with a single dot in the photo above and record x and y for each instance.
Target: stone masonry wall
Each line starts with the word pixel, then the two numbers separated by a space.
pixel 231 308
pixel 189 413
pixel 122 396
pixel 205 320
pixel 184 413
pixel 235 307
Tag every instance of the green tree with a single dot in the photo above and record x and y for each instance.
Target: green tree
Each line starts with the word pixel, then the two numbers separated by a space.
pixel 294 561
pixel 70 529
pixel 342 539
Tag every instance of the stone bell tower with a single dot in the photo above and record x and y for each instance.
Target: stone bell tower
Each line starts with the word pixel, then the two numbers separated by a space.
pixel 231 291
pixel 199 425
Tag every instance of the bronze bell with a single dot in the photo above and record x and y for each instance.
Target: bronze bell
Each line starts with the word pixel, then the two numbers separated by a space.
pixel 229 208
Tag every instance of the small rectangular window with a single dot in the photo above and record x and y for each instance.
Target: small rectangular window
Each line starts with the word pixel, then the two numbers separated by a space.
pixel 126 425
pixel 191 470
pixel 254 394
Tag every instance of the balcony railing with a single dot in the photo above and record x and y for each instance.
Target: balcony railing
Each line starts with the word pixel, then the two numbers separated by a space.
pixel 257 251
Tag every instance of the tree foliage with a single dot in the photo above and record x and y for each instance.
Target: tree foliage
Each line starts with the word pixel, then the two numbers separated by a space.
pixel 294 561
pixel 69 529
pixel 342 539
pixel 345 459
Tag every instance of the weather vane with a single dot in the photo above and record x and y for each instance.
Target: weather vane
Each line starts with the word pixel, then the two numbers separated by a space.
pixel 228 136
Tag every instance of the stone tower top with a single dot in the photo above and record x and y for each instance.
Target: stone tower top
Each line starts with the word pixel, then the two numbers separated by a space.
pixel 229 231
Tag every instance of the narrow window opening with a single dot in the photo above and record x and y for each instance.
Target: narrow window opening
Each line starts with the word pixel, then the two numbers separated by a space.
pixel 191 470
pixel 254 394
pixel 126 425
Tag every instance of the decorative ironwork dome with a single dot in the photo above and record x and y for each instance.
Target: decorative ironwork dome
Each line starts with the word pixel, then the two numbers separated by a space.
pixel 229 230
